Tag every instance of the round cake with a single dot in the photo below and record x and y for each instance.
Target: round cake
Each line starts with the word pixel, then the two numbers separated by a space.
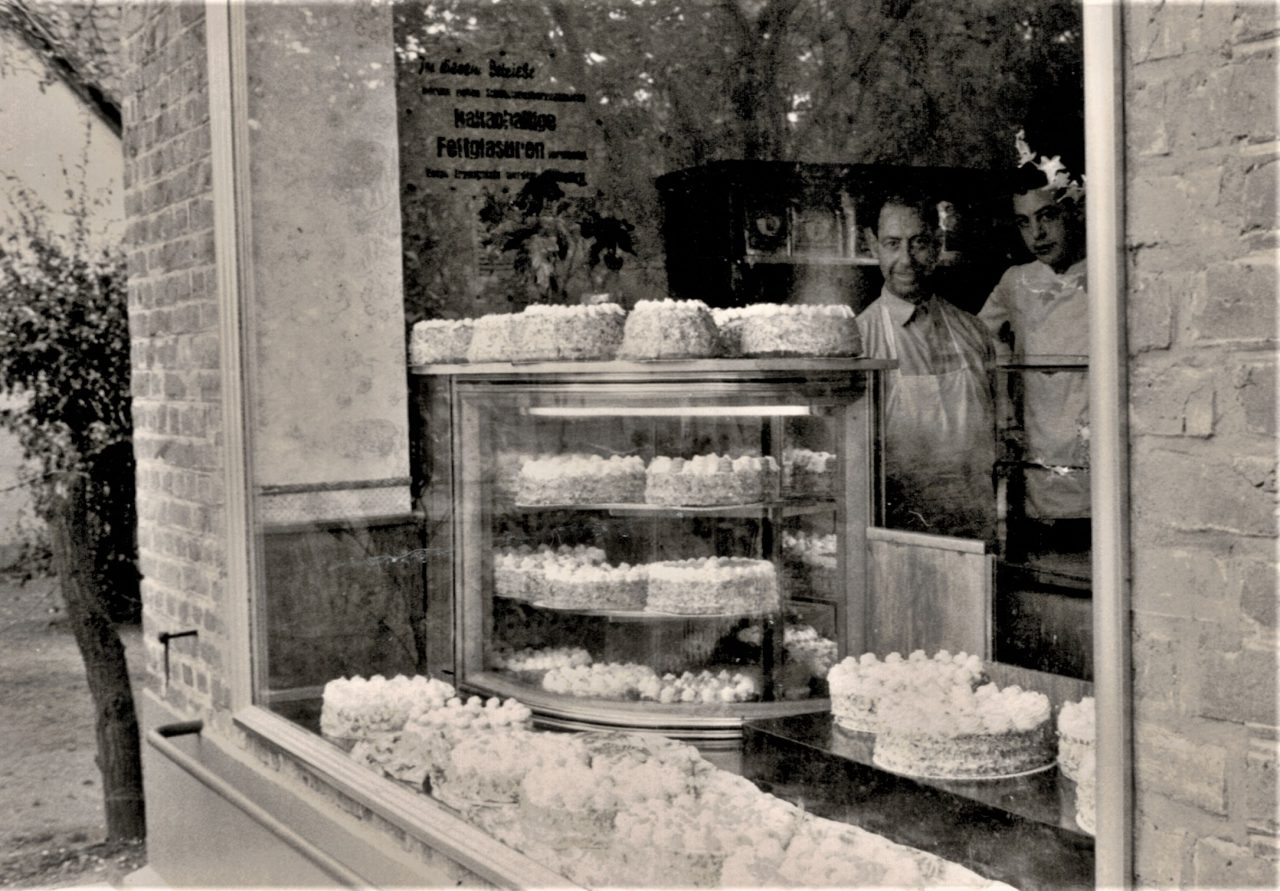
pixel 808 474
pixel 713 586
pixel 458 718
pixel 710 479
pixel 771 329
pixel 1076 733
pixel 581 479
pixel 684 841
pixel 546 332
pixel 593 586
pixel 965 734
pixel 519 573
pixel 408 756
pixel 1087 794
pixel 356 708
pixel 811 562
pixel 488 768
pixel 438 341
pixel 862 686
pixel 669 329
pixel 701 688
pixel 601 680
pixel 540 659
pixel 492 338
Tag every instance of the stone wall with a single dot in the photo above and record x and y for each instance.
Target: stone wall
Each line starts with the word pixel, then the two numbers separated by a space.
pixel 173 322
pixel 1201 150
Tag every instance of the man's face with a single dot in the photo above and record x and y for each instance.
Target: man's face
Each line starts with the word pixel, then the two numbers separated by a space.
pixel 1050 229
pixel 907 248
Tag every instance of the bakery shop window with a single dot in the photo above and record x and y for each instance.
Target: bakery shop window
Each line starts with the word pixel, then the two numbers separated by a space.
pixel 689 414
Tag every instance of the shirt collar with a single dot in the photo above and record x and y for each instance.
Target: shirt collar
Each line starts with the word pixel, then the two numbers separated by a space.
pixel 902 311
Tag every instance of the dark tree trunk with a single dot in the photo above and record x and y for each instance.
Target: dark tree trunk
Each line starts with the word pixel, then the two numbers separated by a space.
pixel 77 540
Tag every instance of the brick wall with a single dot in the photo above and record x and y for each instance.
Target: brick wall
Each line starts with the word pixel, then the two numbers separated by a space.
pixel 173 322
pixel 1201 178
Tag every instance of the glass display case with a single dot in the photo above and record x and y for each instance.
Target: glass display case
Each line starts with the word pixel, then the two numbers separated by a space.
pixel 674 546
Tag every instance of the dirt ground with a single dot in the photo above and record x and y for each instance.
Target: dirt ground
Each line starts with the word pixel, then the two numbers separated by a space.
pixel 51 822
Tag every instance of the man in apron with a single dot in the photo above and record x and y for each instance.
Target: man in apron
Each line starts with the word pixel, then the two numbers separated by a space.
pixel 1037 310
pixel 939 428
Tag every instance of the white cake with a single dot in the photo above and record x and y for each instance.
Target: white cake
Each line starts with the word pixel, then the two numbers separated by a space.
pixel 1087 793
pixel 771 329
pixel 808 654
pixel 1076 734
pixel 808 474
pixel 540 659
pixel 965 734
pixel 547 333
pixel 811 561
pixel 492 338
pixel 356 708
pixel 701 688
pixel 669 329
pixel 406 755
pixel 437 341
pixel 460 718
pixel 488 768
pixel 710 479
pixel 601 680
pixel 861 686
pixel 519 573
pixel 713 586
pixel 685 841
pixel 581 479
pixel 594 586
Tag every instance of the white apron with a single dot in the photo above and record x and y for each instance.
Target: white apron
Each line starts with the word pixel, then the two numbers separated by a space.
pixel 940 447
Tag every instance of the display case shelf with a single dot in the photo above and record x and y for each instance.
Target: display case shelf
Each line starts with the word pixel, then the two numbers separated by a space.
pixel 754 510
pixel 640 615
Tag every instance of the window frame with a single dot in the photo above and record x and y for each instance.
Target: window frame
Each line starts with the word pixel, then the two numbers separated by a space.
pixel 421 819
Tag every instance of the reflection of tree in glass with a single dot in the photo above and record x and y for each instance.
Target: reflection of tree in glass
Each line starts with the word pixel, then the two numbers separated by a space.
pixel 562 245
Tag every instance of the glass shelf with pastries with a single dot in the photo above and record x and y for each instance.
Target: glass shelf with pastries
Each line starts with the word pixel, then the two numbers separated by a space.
pixel 611 548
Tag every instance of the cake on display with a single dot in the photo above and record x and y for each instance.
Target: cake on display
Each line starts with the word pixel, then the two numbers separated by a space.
pixel 860 686
pixel 685 841
pixel 488 768
pixel 492 338
pixel 808 474
pixel 581 479
pixel 1076 733
pixel 539 659
pixel 811 561
pixel 1087 793
pixel 710 480
pixel 985 733
pixel 773 329
pixel 518 573
pixel 549 332
pixel 669 329
pixel 440 341
pixel 356 708
pixel 701 688
pixel 593 586
pixel 601 680
pixel 808 653
pixel 713 586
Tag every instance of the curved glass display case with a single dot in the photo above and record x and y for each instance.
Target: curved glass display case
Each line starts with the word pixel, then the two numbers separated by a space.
pixel 674 546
